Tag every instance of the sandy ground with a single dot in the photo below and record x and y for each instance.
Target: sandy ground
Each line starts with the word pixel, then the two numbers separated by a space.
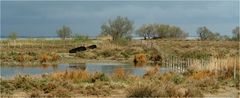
pixel 226 92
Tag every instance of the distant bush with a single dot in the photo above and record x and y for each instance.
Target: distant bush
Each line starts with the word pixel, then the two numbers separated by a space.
pixel 206 34
pixel 81 38
pixel 13 36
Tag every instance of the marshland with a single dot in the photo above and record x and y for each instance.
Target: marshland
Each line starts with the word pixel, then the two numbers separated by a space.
pixel 210 67
pixel 125 58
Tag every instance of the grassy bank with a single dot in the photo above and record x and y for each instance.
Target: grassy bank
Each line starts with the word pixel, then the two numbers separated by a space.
pixel 40 51
pixel 120 83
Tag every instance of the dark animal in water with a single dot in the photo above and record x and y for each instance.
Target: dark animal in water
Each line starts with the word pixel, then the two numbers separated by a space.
pixel 78 49
pixel 92 47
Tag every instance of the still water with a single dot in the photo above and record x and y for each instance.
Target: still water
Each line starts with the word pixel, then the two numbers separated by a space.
pixel 107 68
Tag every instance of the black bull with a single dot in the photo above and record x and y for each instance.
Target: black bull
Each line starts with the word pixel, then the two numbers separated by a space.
pixel 92 47
pixel 82 48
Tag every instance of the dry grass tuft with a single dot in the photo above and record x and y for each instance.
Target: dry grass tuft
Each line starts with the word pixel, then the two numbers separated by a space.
pixel 44 57
pixel 223 66
pixel 140 58
pixel 24 58
pixel 152 72
pixel 76 74
pixel 160 89
pixel 21 58
pixel 120 73
pixel 55 57
pixel 143 90
pixel 202 74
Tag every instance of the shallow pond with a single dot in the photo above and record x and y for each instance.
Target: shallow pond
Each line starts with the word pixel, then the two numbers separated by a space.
pixel 107 68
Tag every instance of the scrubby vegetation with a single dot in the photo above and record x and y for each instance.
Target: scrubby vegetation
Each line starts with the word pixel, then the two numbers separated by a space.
pixel 191 83
pixel 207 67
pixel 54 51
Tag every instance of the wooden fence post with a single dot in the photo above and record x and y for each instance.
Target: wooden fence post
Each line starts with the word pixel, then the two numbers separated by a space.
pixel 172 62
pixel 234 70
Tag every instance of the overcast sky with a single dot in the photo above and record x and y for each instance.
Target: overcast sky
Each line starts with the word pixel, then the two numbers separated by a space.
pixel 43 18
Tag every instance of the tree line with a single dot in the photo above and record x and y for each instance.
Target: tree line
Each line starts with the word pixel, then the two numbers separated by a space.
pixel 149 31
pixel 122 28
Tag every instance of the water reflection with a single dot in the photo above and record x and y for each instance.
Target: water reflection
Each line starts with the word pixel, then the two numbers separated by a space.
pixel 139 70
pixel 81 66
pixel 139 64
pixel 46 66
pixel 9 71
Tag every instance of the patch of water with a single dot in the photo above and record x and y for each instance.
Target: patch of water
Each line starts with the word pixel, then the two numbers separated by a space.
pixel 107 68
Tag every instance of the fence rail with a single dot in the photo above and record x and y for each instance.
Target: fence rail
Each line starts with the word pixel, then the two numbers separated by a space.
pixel 211 64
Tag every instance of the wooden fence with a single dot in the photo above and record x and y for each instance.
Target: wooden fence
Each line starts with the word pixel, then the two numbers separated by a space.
pixel 211 64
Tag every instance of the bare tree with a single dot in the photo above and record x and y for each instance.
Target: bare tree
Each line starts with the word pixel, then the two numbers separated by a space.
pixel 119 28
pixel 13 36
pixel 146 31
pixel 205 34
pixel 161 31
pixel 64 32
pixel 236 33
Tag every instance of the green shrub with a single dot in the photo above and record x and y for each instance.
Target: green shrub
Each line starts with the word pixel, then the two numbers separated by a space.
pixel 6 86
pixel 25 83
pixel 177 79
pixel 99 76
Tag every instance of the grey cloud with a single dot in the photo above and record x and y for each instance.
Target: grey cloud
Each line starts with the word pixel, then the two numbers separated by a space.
pixel 87 17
